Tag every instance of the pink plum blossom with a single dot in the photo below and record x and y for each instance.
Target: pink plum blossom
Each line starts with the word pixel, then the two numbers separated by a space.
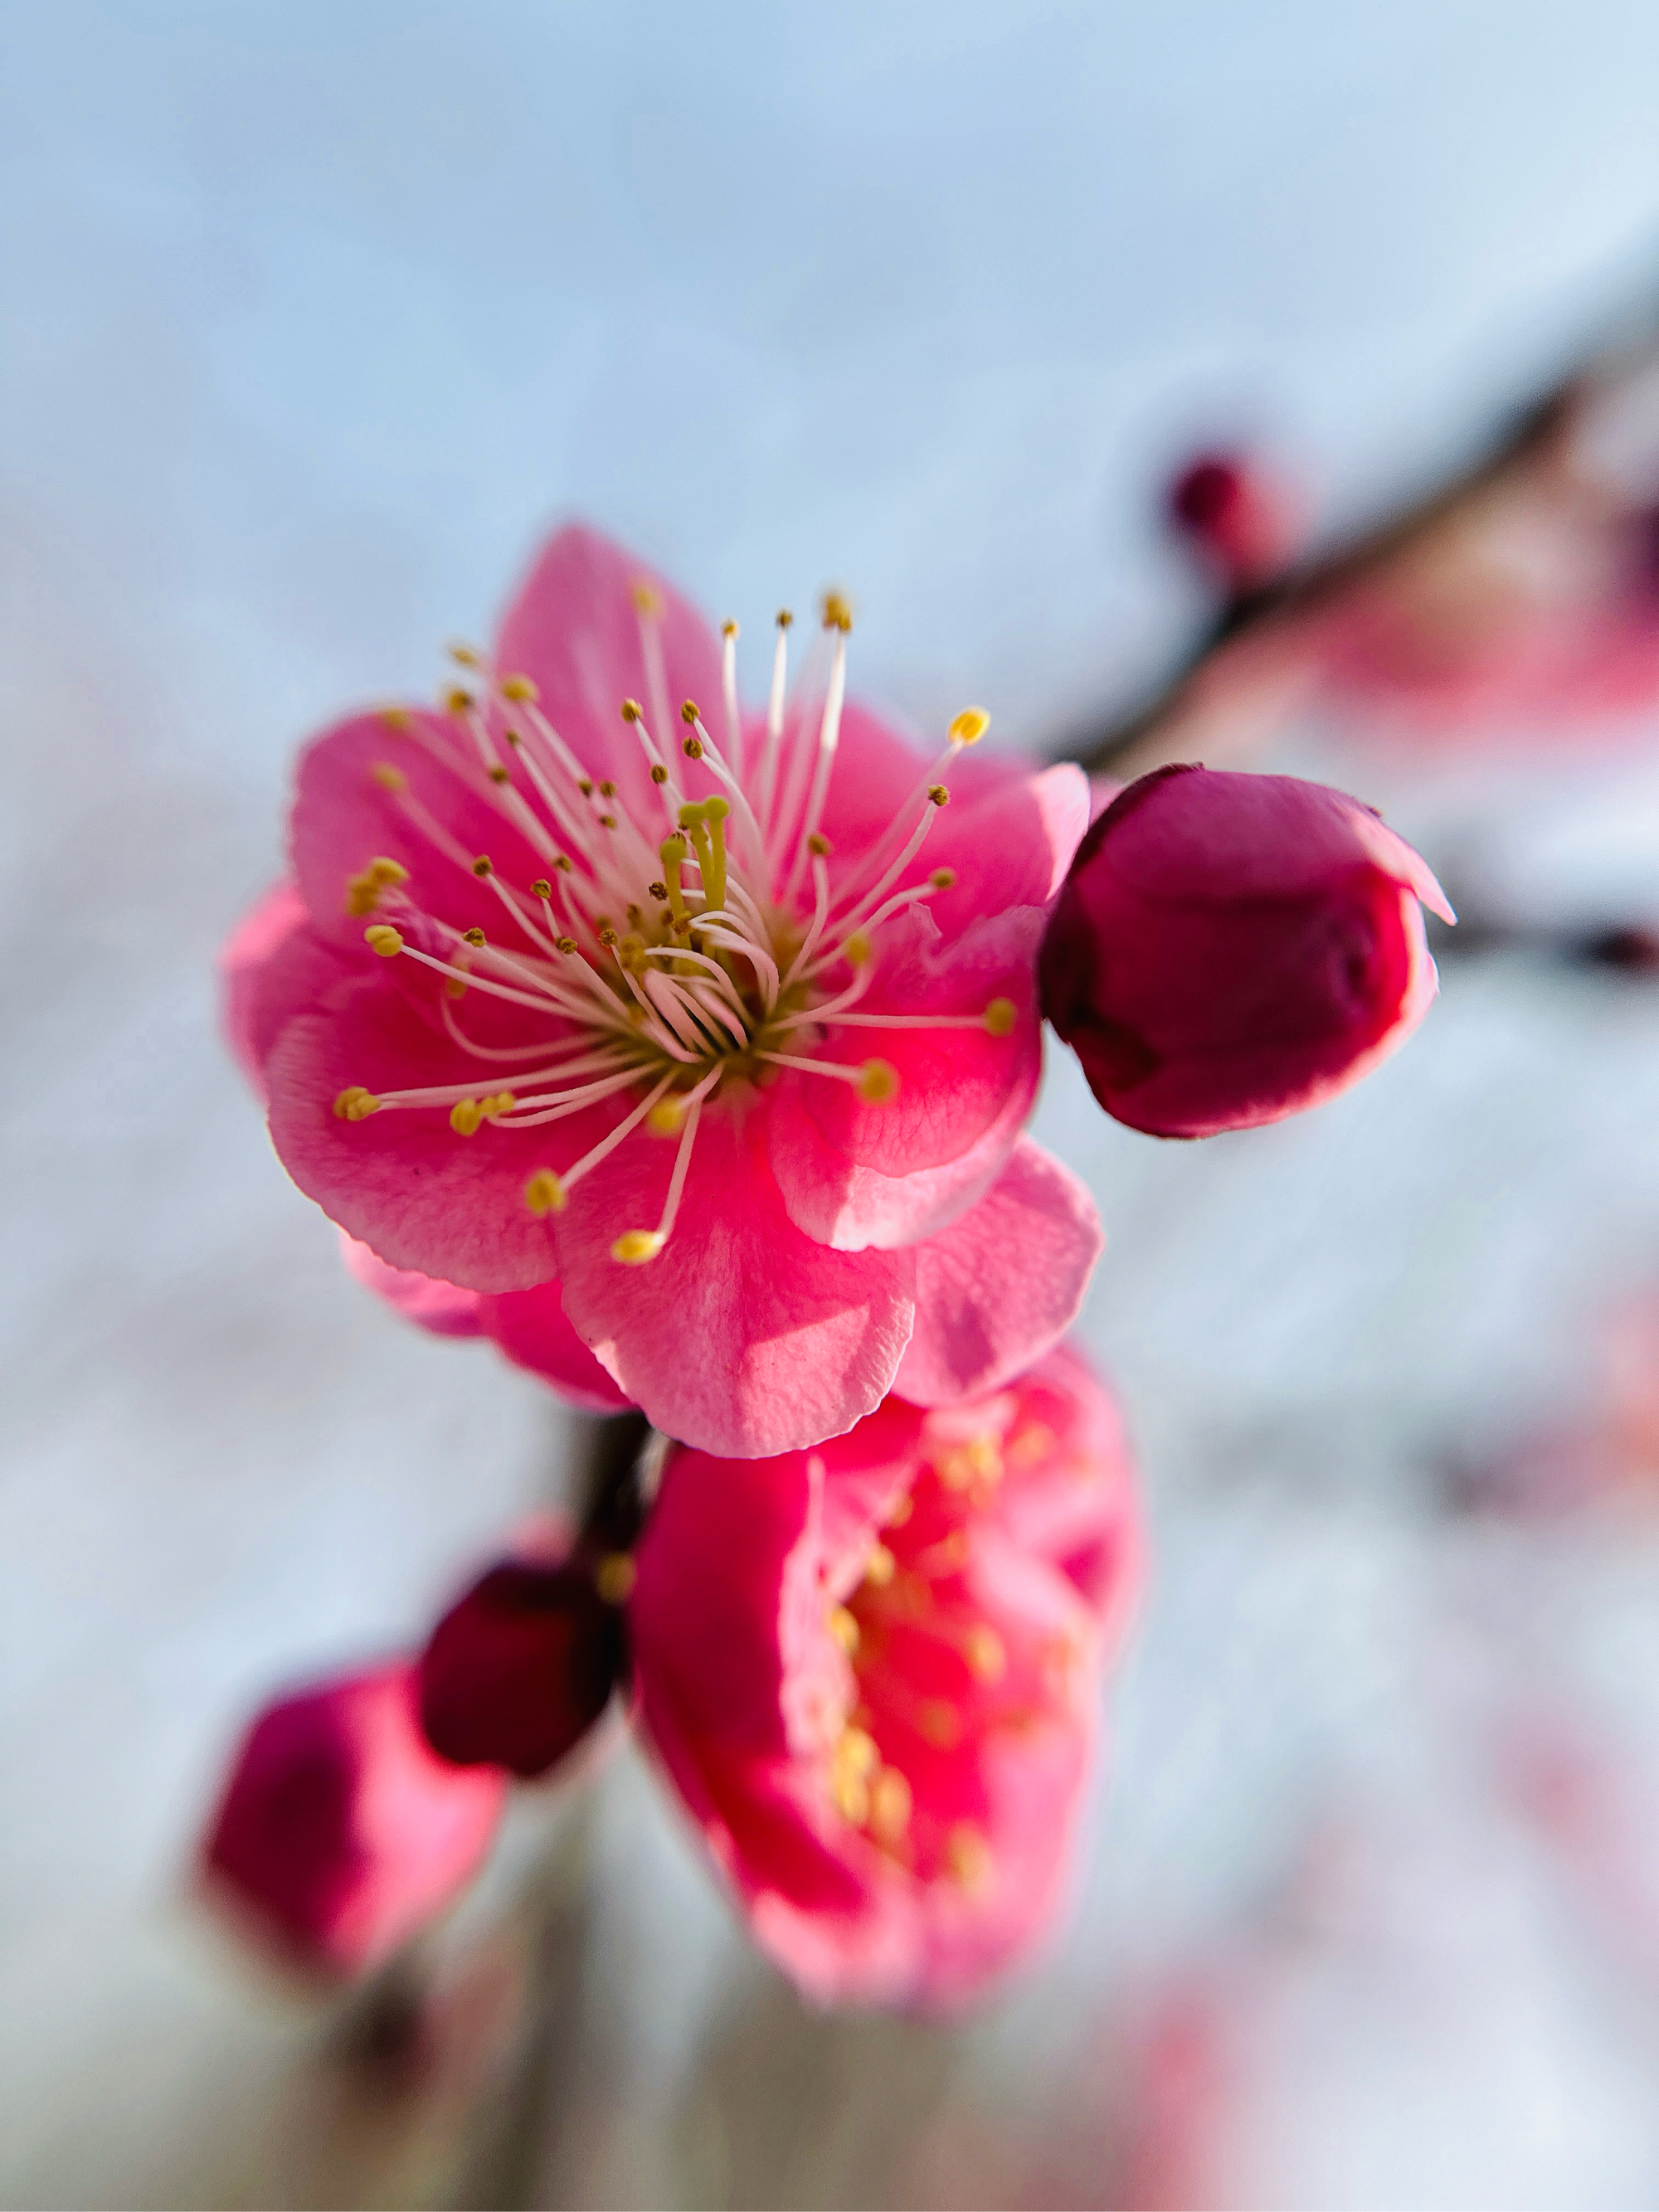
pixel 340 1833
pixel 713 1052
pixel 1230 949
pixel 872 1673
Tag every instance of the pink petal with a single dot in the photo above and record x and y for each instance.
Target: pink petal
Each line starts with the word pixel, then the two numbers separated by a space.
pixel 272 966
pixel 441 1308
pixel 999 1286
pixel 742 1335
pixel 402 1181
pixel 534 1330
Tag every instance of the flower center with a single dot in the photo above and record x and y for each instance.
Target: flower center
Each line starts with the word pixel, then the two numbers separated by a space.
pixel 672 947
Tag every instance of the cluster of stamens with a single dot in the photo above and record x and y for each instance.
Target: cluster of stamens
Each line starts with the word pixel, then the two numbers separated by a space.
pixel 669 956
pixel 930 1672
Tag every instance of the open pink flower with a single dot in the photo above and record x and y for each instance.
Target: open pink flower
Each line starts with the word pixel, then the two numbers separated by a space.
pixel 1232 949
pixel 340 1833
pixel 729 1039
pixel 872 1672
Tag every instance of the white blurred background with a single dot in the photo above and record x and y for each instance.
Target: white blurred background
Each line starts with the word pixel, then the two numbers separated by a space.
pixel 316 316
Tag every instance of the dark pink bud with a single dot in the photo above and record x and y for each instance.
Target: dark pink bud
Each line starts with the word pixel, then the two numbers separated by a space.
pixel 1237 516
pixel 520 1668
pixel 1230 949
pixel 340 1833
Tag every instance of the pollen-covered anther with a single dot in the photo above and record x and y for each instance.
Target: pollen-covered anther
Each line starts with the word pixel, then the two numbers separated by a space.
pixel 837 612
pixel 844 1628
pixel 942 879
pixel 395 719
pixel 728 629
pixel 819 845
pixel 545 1193
pixel 985 1654
pixel 380 937
pixel 692 748
pixel 458 700
pixel 967 728
pixel 466 1117
pixel 483 865
pixel 1000 1016
pixel 890 1801
pixel 690 712
pixel 968 1855
pixel 519 688
pixel 647 601
pixel 783 618
pixel 878 1082
pixel 356 1105
pixel 938 794
pixel 474 937
pixel 389 778
pixel 632 711
pixel 665 1117
pixel 363 891
pixel 880 1567
pixel 615 1577
pixel 659 773
pixel 853 1764
pixel 499 775
pixel 541 889
pixel 465 656
pixel 635 1246
pixel 567 944
pixel 857 948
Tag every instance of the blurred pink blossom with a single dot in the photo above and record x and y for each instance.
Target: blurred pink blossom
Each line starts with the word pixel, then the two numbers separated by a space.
pixel 873 1673
pixel 340 1833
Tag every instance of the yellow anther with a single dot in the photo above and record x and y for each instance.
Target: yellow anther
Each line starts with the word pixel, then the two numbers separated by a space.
pixel 395 719
pixel 819 844
pixel 692 748
pixel 967 728
pixel 940 1723
pixel 356 1105
pixel 565 862
pixel 468 656
pixel 900 1511
pixel 728 629
pixel 513 736
pixel 607 821
pixel 837 612
pixel 857 948
pixel 784 617
pixel 889 1806
pixel 880 1567
pixel 455 988
pixel 689 712
pixel 878 1082
pixel 986 1655
pixel 541 889
pixel 474 937
pixel 632 711
pixel 1000 1016
pixel 943 878
pixel 607 937
pixel 852 1795
pixel 465 1117
pixel 363 891
pixel 585 784
pixel 459 701
pixel 968 1855
pixel 501 775
pixel 566 944
pixel 519 687
pixel 389 778
pixel 845 1629
pixel 665 1116
pixel 545 1193
pixel 615 1577
pixel 383 939
pixel 635 1246
pixel 938 794
pixel 647 601
pixel 659 773
pixel 500 1102
pixel 483 865
pixel 607 789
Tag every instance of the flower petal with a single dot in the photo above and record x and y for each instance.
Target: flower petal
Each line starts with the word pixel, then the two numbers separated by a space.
pixel 999 1286
pixel 272 967
pixel 441 1308
pixel 532 1328
pixel 742 1336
